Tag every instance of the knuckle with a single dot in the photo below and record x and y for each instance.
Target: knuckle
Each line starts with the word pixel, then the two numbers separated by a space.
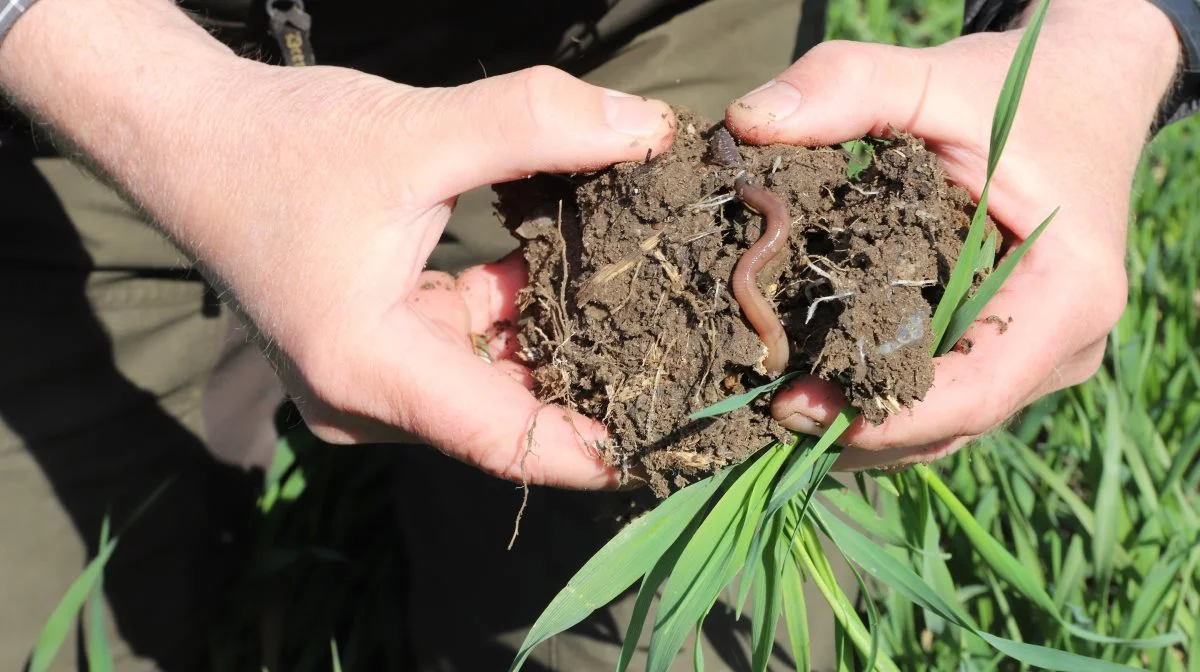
pixel 536 90
pixel 850 63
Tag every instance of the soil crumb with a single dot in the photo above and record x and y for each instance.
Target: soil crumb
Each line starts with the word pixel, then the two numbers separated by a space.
pixel 629 316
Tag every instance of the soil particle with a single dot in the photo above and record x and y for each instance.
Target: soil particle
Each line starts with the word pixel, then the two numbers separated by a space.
pixel 629 317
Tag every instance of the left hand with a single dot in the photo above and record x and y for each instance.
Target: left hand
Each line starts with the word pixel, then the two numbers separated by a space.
pixel 1099 72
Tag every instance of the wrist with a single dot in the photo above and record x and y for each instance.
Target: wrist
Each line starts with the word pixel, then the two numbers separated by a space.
pixel 1133 40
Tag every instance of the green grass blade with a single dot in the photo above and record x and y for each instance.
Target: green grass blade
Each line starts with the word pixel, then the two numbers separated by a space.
pixel 333 654
pixel 628 556
pixel 962 318
pixel 795 613
pixel 1072 575
pixel 1014 84
pixel 1153 594
pixel 1108 493
pixel 766 616
pixel 804 473
pixel 62 619
pixel 649 588
pixel 865 517
pixel 99 654
pixel 875 561
pixel 719 545
pixel 809 551
pixel 795 479
pixel 962 275
pixel 1015 574
pixel 995 555
pixel 737 401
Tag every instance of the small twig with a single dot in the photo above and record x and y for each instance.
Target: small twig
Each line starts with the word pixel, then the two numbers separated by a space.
pixel 913 283
pixel 713 202
pixel 812 308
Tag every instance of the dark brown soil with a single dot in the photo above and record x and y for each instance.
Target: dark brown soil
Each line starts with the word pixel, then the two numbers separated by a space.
pixel 629 317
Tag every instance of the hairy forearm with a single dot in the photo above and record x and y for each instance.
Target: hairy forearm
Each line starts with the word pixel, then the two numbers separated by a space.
pixel 122 83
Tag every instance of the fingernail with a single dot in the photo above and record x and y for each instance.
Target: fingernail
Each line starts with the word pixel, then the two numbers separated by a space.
pixel 774 99
pixel 798 422
pixel 633 115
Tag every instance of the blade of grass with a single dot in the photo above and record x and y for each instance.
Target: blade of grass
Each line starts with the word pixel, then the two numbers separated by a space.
pixel 719 546
pixel 962 275
pixel 62 619
pixel 972 307
pixel 649 588
pixel 803 474
pixel 737 401
pixel 99 654
pixel 879 564
pixel 769 590
pixel 1108 494
pixel 1014 85
pixel 795 613
pixel 1016 575
pixel 629 555
pixel 808 550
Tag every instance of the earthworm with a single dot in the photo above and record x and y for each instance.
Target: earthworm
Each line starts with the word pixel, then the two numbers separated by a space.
pixel 758 310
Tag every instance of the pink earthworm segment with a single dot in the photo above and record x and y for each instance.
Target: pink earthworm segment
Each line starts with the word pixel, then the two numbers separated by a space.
pixel 758 310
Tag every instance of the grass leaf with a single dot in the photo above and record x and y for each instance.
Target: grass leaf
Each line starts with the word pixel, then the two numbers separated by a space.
pixel 875 561
pixel 1014 85
pixel 62 620
pixel 766 616
pixel 795 613
pixel 629 555
pixel 737 401
pixel 719 545
pixel 99 654
pixel 972 307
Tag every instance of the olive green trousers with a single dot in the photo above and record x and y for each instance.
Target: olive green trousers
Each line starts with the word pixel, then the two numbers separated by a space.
pixel 120 370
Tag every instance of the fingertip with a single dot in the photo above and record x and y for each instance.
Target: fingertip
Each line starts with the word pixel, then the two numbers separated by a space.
pixel 807 401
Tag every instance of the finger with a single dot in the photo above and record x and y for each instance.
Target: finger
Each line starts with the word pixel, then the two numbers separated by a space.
pixel 535 120
pixel 437 302
pixel 844 90
pixel 478 413
pixel 857 459
pixel 490 291
pixel 490 294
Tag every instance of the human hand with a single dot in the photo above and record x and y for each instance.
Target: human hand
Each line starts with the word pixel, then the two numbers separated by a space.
pixel 1099 71
pixel 313 197
pixel 374 346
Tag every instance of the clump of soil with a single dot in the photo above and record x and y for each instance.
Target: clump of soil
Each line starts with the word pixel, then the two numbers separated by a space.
pixel 629 317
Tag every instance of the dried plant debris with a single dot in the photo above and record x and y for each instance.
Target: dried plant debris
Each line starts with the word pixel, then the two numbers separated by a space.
pixel 630 317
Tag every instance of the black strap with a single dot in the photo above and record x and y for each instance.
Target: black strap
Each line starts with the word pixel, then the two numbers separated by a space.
pixel 291 27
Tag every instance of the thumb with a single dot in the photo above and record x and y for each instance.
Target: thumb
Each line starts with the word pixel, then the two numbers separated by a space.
pixel 844 90
pixel 536 120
